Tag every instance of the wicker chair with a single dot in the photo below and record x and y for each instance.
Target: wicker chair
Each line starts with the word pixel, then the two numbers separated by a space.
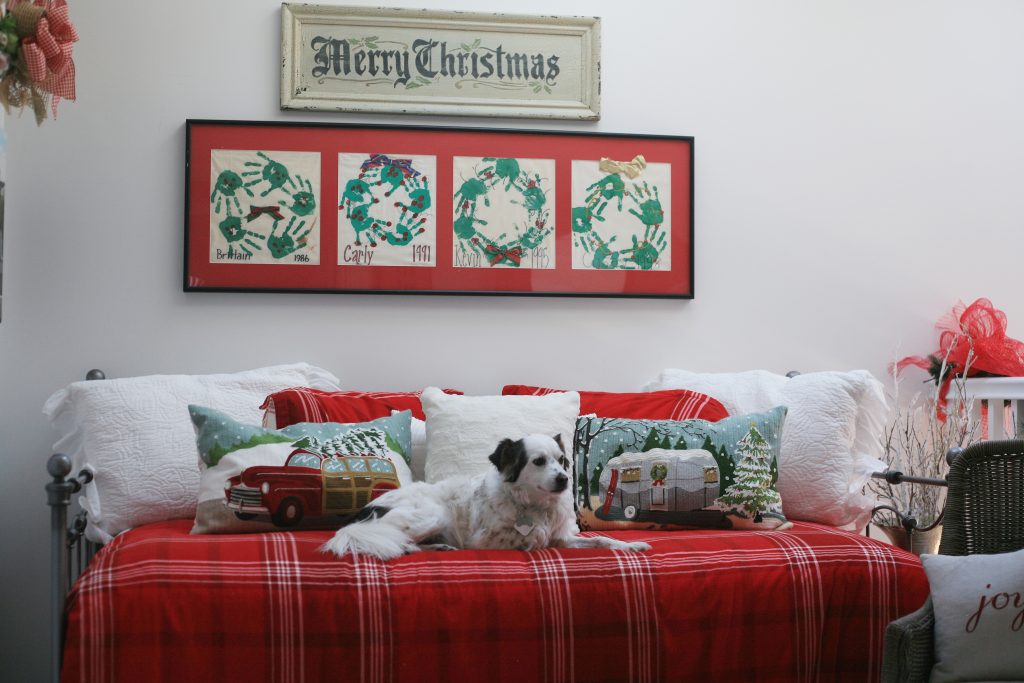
pixel 984 514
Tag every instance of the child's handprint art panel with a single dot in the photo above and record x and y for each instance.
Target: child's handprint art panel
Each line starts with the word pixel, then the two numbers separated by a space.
pixel 264 207
pixel 621 222
pixel 432 210
pixel 386 210
pixel 503 213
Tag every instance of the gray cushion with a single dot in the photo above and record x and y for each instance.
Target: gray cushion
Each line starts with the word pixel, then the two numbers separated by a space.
pixel 979 616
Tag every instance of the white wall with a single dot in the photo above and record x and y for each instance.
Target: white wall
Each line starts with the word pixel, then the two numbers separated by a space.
pixel 859 167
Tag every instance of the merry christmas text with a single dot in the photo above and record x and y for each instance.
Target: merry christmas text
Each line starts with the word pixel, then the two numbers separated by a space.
pixel 430 59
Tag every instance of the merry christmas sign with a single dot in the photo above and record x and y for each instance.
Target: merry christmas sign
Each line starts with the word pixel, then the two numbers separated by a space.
pixel 430 62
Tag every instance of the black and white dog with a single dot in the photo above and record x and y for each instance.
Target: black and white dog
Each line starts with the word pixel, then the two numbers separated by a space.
pixel 523 503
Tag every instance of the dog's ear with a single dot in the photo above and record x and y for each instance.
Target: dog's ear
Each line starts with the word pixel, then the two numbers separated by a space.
pixel 510 458
pixel 564 460
pixel 497 455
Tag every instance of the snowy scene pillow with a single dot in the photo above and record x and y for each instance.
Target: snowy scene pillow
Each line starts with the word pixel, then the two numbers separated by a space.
pixel 833 433
pixel 647 474
pixel 256 479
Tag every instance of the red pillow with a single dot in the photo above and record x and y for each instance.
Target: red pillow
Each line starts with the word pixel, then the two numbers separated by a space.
pixel 301 404
pixel 672 404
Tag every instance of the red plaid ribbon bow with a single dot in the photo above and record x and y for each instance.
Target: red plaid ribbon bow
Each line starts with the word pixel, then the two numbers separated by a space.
pixel 256 211
pixel 496 255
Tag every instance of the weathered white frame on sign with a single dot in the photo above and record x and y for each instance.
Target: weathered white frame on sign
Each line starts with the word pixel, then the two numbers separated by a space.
pixel 301 93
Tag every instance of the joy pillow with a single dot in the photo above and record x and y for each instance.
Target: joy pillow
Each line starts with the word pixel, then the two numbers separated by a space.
pixel 979 616
pixel 256 479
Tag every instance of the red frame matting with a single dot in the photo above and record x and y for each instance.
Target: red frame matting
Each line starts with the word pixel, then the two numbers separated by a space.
pixel 444 143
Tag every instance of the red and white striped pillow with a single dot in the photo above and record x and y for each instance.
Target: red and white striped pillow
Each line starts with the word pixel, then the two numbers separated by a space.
pixel 301 404
pixel 673 404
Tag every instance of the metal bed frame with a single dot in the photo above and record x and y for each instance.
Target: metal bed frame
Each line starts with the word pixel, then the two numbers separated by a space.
pixel 72 552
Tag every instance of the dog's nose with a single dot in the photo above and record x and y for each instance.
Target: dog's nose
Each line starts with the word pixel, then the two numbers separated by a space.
pixel 561 481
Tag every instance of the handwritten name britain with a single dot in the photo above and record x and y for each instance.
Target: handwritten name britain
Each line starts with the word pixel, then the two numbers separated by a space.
pixel 429 59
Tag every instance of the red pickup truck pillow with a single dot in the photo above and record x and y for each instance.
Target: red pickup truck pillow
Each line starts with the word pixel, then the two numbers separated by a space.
pixel 257 479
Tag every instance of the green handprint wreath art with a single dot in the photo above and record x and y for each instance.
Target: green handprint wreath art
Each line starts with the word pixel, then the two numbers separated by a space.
pixel 527 233
pixel 380 177
pixel 292 205
pixel 640 201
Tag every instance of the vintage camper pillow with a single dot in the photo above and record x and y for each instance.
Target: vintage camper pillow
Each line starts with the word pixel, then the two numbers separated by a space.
pixel 673 404
pixel 646 474
pixel 256 479
pixel 833 435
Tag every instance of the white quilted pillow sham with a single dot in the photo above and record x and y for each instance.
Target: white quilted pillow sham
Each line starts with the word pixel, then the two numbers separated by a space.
pixel 463 430
pixel 831 441
pixel 136 437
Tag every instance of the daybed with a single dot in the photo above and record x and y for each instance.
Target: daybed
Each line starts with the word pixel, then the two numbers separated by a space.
pixel 809 603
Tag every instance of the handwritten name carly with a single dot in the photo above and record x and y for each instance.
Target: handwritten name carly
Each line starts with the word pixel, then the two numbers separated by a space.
pixel 357 256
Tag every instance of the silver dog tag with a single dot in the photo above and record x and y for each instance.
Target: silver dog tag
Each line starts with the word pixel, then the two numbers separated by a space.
pixel 524 524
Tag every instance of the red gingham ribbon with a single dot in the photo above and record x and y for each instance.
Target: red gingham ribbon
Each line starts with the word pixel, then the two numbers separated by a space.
pixel 48 53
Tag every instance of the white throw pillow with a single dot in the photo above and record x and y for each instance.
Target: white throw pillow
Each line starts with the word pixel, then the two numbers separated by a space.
pixel 462 431
pixel 134 434
pixel 979 616
pixel 830 444
pixel 418 457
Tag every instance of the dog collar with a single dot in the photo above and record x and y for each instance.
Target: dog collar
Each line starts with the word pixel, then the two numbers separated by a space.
pixel 524 524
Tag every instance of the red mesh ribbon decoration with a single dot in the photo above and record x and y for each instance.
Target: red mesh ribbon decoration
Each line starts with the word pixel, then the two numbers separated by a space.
pixel 973 337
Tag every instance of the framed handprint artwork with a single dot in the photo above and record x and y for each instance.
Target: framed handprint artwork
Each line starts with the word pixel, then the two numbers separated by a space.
pixel 425 210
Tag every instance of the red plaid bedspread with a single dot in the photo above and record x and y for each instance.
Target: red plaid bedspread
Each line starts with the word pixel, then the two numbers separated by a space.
pixel 809 604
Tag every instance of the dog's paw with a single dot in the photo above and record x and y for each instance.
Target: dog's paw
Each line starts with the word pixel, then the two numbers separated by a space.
pixel 444 547
pixel 637 547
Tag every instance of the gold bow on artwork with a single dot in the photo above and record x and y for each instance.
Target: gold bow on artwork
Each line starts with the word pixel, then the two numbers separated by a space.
pixel 630 169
